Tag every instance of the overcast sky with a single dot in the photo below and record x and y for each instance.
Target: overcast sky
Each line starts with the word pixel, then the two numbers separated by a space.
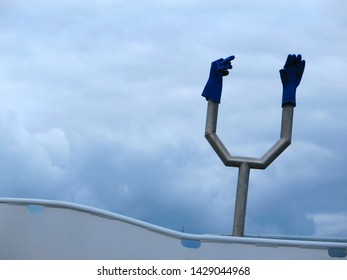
pixel 100 104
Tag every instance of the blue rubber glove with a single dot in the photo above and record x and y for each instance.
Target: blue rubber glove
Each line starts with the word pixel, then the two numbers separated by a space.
pixel 213 88
pixel 291 75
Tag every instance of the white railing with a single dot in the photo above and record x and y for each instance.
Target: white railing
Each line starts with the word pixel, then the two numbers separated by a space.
pixel 43 229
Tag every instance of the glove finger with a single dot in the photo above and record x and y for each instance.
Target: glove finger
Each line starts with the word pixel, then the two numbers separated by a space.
pixel 229 66
pixel 293 61
pixel 225 73
pixel 224 66
pixel 298 59
pixel 286 64
pixel 284 75
pixel 228 59
pixel 301 67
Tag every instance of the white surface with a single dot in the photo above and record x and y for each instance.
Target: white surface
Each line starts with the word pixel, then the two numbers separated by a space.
pixel 40 229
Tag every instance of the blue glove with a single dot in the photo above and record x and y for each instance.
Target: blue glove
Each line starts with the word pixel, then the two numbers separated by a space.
pixel 213 88
pixel 291 75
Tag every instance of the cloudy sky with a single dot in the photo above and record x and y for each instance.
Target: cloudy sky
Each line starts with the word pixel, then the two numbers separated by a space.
pixel 100 104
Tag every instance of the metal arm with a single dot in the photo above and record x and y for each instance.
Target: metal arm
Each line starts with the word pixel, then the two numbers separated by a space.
pixel 246 163
pixel 237 161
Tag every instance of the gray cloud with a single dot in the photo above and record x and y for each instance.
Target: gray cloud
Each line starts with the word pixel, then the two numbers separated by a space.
pixel 100 104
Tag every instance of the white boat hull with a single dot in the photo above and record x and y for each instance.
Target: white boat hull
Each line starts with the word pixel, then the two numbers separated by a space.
pixel 40 229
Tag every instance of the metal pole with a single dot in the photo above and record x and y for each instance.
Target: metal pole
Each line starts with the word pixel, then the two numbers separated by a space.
pixel 246 163
pixel 241 200
pixel 291 76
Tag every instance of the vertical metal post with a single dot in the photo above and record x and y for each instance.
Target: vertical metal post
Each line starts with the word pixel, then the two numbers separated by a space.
pixel 241 200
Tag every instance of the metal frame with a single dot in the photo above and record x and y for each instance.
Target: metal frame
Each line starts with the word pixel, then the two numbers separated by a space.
pixel 246 163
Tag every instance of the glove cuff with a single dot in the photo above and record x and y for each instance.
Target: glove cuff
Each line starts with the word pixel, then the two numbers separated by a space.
pixel 289 96
pixel 213 90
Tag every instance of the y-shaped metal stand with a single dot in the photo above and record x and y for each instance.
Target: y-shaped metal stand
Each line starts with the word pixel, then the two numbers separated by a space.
pixel 246 163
